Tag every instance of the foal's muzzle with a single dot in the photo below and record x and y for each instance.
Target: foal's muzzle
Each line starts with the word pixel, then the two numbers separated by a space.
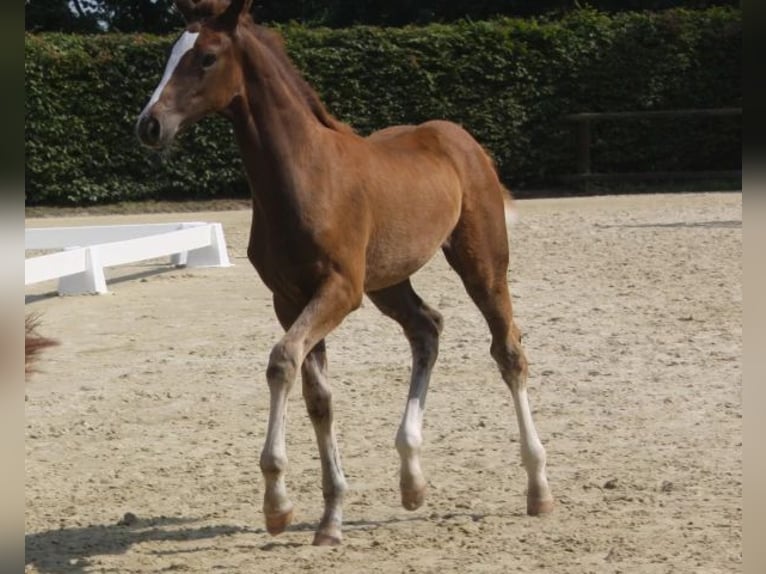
pixel 149 130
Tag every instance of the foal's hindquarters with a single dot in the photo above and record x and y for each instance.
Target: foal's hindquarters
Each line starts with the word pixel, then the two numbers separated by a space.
pixel 477 249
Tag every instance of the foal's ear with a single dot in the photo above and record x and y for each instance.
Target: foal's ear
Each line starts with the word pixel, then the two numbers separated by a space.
pixel 237 8
pixel 201 10
pixel 189 9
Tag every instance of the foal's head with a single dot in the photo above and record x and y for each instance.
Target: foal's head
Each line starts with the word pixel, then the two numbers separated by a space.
pixel 203 73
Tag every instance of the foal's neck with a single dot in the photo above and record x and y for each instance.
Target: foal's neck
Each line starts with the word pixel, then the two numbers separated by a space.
pixel 288 133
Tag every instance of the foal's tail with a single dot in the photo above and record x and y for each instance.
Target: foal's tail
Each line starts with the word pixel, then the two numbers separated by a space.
pixel 511 213
pixel 509 205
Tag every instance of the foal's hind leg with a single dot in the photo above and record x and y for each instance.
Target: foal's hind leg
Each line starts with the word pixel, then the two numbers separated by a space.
pixel 478 251
pixel 422 326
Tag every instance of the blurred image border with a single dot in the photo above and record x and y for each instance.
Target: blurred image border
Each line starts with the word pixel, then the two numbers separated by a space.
pixel 754 287
pixel 11 288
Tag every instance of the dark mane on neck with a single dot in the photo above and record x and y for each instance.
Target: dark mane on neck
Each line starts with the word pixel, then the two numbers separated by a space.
pixel 275 44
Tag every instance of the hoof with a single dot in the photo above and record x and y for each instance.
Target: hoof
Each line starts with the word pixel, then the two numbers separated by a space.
pixel 537 506
pixel 277 523
pixel 322 539
pixel 413 499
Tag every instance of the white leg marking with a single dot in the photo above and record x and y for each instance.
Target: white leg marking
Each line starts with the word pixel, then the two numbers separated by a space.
pixel 409 439
pixel 184 44
pixel 532 455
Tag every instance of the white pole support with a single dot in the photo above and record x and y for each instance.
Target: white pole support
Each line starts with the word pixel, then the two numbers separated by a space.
pixel 214 255
pixel 88 250
pixel 92 280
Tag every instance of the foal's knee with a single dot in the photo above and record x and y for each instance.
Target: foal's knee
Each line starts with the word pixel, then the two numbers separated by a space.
pixel 283 364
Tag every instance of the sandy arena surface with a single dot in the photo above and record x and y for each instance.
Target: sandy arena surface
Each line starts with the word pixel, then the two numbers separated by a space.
pixel 155 404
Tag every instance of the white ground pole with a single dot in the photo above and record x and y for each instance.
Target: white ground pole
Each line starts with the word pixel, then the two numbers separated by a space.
pixel 88 250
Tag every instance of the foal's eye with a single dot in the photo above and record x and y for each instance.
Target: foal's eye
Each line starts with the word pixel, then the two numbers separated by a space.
pixel 208 60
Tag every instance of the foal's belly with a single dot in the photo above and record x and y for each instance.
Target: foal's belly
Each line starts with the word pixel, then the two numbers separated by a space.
pixel 400 248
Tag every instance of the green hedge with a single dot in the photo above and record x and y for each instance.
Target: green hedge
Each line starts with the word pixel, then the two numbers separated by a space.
pixel 508 81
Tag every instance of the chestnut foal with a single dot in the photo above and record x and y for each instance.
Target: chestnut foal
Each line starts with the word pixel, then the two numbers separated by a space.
pixel 336 216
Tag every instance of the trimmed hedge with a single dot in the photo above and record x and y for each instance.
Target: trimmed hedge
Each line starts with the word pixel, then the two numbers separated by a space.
pixel 508 81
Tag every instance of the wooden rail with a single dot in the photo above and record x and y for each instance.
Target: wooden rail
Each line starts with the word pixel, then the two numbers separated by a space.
pixel 584 123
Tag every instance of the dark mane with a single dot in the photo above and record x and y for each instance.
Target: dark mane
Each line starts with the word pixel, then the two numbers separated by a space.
pixel 276 45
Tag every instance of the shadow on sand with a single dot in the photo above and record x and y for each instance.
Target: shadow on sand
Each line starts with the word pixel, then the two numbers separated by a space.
pixel 69 550
pixel 727 224
pixel 138 275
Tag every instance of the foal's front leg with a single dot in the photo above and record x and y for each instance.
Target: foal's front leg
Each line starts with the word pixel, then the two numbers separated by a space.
pixel 318 398
pixel 333 301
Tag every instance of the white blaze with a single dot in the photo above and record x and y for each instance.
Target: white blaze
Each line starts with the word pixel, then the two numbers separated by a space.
pixel 184 44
